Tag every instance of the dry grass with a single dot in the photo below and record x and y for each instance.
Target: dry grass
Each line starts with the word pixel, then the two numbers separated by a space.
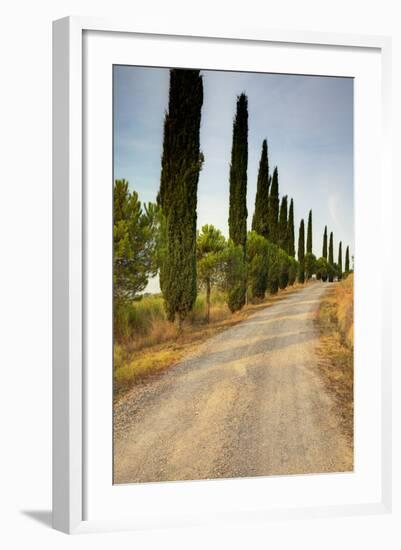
pixel 161 346
pixel 345 311
pixel 336 363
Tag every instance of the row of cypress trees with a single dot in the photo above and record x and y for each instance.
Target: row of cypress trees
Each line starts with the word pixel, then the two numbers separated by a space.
pixel 273 222
pixel 326 266
pixel 270 262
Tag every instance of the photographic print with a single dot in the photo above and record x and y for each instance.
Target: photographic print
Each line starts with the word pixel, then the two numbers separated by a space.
pixel 233 260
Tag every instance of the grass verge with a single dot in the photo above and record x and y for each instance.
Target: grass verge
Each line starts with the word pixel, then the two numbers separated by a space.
pixel 336 350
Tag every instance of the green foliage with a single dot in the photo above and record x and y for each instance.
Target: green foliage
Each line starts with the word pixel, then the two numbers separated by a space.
pixel 331 270
pixel 210 248
pixel 257 264
pixel 284 268
pixel 291 230
pixel 309 234
pixel 238 213
pixel 310 265
pixel 340 261
pixel 238 174
pixel 235 276
pixel 301 252
pixel 260 221
pixel 322 269
pixel 133 319
pixel 324 252
pixel 273 278
pixel 283 224
pixel 347 270
pixel 274 204
pixel 292 272
pixel 181 164
pixel 134 243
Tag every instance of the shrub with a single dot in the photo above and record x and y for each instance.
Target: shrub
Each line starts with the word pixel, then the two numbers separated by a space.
pixel 257 264
pixel 301 272
pixel 235 276
pixel 292 272
pixel 310 265
pixel 322 267
pixel 274 268
pixel 284 262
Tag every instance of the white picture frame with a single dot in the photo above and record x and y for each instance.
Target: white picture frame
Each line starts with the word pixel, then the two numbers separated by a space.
pixel 70 251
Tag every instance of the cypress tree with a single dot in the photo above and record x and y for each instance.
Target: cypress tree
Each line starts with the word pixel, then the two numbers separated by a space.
pixel 291 231
pixel 340 260
pixel 238 174
pixel 238 183
pixel 260 216
pixel 301 252
pixel 283 224
pixel 309 236
pixel 274 204
pixel 331 259
pixel 181 164
pixel 347 260
pixel 325 243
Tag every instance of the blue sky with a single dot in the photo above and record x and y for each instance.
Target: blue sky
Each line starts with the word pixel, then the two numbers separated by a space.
pixel 307 121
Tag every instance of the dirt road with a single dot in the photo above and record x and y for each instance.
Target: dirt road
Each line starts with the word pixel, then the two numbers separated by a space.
pixel 249 403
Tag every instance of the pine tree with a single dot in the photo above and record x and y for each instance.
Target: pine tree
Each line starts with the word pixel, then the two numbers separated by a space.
pixel 210 248
pixel 301 252
pixel 347 260
pixel 134 243
pixel 309 235
pixel 325 243
pixel 260 216
pixel 283 224
pixel 238 183
pixel 331 259
pixel 274 204
pixel 181 164
pixel 291 231
pixel 340 260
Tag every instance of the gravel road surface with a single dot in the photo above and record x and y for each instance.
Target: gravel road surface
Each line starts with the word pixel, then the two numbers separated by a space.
pixel 249 402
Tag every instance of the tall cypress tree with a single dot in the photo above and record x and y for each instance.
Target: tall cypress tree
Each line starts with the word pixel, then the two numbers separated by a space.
pixel 331 259
pixel 238 174
pixel 238 211
pixel 347 260
pixel 301 252
pixel 274 204
pixel 260 216
pixel 291 230
pixel 325 243
pixel 181 164
pixel 309 235
pixel 283 224
pixel 340 260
